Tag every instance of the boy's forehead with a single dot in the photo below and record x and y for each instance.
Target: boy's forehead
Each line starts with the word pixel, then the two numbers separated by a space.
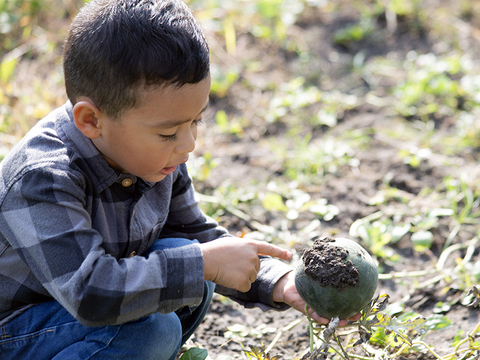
pixel 171 105
pixel 172 90
pixel 170 123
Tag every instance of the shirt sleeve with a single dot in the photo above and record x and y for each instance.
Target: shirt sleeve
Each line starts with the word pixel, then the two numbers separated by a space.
pixel 260 294
pixel 188 221
pixel 43 218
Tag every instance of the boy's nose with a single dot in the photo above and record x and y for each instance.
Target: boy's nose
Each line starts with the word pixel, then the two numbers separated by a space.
pixel 187 143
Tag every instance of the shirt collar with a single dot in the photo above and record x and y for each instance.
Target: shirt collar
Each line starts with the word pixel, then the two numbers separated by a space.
pixel 103 174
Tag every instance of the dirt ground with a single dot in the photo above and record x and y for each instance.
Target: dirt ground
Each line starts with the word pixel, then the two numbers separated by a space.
pixel 246 159
pixel 346 191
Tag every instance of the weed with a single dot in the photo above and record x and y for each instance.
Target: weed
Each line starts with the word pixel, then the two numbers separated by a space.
pixel 221 82
pixel 194 354
pixel 430 100
pixel 354 32
pixel 431 88
pixel 308 161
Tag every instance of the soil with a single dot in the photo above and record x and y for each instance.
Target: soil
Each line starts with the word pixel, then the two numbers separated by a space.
pixel 246 159
pixel 328 264
pixel 348 192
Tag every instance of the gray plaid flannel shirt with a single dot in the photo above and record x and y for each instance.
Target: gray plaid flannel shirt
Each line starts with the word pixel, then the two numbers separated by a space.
pixel 70 225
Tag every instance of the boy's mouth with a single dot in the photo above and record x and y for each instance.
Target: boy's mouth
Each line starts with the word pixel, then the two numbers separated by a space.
pixel 168 170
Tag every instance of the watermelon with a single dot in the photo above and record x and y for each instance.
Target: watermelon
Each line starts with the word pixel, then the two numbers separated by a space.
pixel 336 277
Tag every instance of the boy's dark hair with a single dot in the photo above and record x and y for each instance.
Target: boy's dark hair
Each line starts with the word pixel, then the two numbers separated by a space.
pixel 114 48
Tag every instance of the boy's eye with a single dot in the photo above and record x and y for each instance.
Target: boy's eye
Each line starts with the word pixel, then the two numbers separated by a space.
pixel 169 137
pixel 198 121
pixel 173 137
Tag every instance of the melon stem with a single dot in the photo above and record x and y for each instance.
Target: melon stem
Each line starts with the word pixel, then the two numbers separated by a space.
pixel 310 328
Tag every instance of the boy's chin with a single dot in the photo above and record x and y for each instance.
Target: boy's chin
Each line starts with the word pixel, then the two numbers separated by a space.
pixel 153 178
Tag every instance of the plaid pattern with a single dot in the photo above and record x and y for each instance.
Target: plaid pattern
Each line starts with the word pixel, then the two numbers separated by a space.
pixel 68 226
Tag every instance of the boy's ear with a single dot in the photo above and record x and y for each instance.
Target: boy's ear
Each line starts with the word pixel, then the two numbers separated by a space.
pixel 87 118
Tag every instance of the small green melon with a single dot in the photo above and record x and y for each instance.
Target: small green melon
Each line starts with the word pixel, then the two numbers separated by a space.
pixel 336 277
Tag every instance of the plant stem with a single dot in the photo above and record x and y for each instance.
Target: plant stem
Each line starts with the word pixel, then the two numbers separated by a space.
pixel 340 345
pixel 460 343
pixel 452 235
pixel 360 357
pixel 280 333
pixel 402 274
pixel 446 253
pixel 236 212
pixel 310 328
pixel 418 342
pixel 477 328
pixel 454 355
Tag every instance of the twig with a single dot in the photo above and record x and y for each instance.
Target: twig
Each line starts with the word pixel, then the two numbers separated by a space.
pixel 434 353
pixel 340 345
pixel 234 211
pixel 417 342
pixel 460 343
pixel 460 25
pixel 218 51
pixel 432 281
pixel 447 252
pixel 470 250
pixel 452 235
pixel 403 274
pixel 280 333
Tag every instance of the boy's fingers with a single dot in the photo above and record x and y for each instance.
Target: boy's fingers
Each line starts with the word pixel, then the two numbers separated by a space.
pixel 355 317
pixel 257 265
pixel 272 250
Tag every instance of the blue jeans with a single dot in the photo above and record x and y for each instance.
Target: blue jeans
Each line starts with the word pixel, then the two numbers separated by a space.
pixel 48 332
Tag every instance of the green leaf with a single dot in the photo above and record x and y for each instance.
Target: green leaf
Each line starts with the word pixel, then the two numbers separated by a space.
pixel 437 322
pixel 376 305
pixel 422 240
pixel 195 354
pixel 442 307
pixel 440 212
pixel 273 202
pixel 327 211
pixel 399 231
pixel 7 67
pixel 230 36
pixel 256 352
pixel 399 327
pixel 221 118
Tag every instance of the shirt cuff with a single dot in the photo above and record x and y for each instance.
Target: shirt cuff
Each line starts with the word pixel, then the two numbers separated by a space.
pixel 261 293
pixel 270 272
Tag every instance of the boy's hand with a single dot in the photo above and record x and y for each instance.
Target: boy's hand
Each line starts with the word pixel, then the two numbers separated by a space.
pixel 286 291
pixel 234 263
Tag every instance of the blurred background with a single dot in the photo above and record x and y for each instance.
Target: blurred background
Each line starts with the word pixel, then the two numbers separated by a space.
pixel 357 118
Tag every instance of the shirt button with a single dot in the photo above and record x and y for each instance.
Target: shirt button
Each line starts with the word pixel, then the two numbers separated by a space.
pixel 133 253
pixel 127 182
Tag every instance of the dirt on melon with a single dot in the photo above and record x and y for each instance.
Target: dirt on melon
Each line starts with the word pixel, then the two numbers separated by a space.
pixel 336 277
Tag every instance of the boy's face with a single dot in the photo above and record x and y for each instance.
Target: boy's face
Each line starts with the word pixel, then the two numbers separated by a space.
pixel 151 140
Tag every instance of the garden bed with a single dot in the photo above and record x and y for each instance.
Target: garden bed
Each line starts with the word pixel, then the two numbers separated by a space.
pixel 356 119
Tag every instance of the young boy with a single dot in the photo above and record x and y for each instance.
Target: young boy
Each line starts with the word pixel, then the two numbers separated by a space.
pixel 104 253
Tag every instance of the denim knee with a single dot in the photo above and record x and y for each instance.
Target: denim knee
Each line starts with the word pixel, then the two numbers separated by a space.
pixel 159 336
pixel 156 337
pixel 168 243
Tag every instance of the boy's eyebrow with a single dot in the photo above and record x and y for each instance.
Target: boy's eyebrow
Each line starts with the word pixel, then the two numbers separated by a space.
pixel 173 123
